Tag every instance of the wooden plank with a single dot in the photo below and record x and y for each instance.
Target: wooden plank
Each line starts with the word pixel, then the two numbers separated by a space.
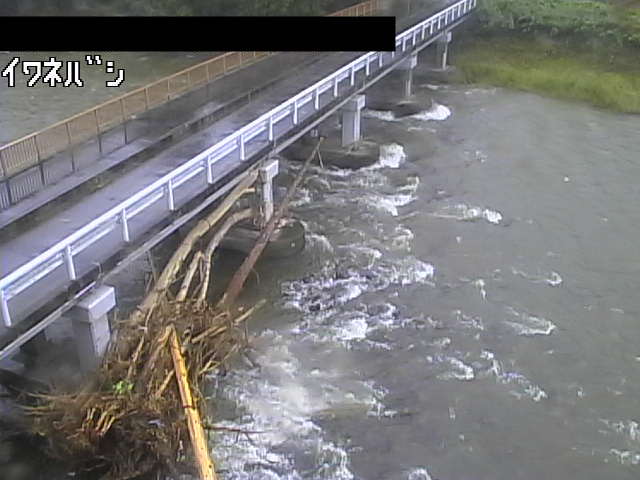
pixel 196 430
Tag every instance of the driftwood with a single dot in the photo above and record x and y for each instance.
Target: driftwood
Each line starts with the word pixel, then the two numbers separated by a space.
pixel 213 244
pixel 131 418
pixel 238 279
pixel 196 430
pixel 181 254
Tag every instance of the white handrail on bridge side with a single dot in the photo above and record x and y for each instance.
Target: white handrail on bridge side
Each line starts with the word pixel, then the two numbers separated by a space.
pixel 63 252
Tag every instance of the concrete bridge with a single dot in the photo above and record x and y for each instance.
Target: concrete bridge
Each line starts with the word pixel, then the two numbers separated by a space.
pixel 62 265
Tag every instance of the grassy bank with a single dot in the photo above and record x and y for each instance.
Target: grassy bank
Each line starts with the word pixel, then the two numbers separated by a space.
pixel 548 66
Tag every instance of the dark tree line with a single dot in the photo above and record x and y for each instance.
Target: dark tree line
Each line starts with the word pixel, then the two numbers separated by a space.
pixel 172 7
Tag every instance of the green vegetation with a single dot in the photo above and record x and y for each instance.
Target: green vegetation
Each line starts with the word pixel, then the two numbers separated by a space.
pixel 122 387
pixel 172 7
pixel 561 70
pixel 615 21
pixel 580 50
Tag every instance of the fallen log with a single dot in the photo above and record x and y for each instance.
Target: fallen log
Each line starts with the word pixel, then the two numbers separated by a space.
pixel 129 419
pixel 196 430
pixel 238 279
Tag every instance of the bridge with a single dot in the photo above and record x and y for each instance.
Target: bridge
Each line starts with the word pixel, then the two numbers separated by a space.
pixel 62 265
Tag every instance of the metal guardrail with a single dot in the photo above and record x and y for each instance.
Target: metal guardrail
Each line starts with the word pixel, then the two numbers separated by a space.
pixel 23 166
pixel 359 10
pixel 62 254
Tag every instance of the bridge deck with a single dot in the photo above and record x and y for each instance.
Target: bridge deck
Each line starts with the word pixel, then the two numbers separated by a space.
pixel 19 245
pixel 70 215
pixel 154 127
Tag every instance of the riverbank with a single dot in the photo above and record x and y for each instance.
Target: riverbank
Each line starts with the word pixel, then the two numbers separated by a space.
pixel 603 78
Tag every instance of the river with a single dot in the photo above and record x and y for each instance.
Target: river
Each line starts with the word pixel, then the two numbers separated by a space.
pixel 465 309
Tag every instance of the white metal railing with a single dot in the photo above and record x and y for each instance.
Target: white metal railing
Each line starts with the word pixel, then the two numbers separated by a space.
pixel 63 252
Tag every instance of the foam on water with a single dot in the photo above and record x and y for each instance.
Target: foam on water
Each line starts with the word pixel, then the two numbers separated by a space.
pixel 391 155
pixel 464 212
pixel 402 238
pixel 628 432
pixel 457 369
pixel 479 284
pixel 280 404
pixel 387 203
pixel 302 197
pixel 418 474
pixel 442 342
pixel 468 321
pixel 333 286
pixel 318 241
pixel 386 115
pixel 553 279
pixel 437 112
pixel 527 388
pixel 530 325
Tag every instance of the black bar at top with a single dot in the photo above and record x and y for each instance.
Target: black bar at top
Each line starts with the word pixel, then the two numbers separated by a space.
pixel 271 34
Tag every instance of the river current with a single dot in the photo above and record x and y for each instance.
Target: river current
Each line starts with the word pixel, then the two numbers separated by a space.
pixel 464 309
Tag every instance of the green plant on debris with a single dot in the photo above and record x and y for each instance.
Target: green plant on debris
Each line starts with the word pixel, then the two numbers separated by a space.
pixel 122 387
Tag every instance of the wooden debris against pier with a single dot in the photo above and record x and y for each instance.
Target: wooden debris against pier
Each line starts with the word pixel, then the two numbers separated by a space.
pixel 143 411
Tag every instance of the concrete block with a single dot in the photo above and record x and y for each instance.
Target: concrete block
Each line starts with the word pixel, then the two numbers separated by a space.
pixel 410 63
pixel 91 326
pixel 355 104
pixel 97 304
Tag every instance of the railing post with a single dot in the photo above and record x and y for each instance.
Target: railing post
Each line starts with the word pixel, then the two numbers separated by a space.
pixel 170 198
pixel 316 99
pixel 95 116
pixel 4 308
pixel 5 177
pixel 73 160
pixel 241 147
pixel 367 67
pixel 295 112
pixel 379 59
pixel 335 86
pixel 2 165
pixel 209 166
pixel 68 259
pixel 125 226
pixel 352 78
pixel 271 128
pixel 124 120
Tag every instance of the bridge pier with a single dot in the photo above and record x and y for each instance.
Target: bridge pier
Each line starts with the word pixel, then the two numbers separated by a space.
pixel 442 50
pixel 264 191
pixel 288 237
pixel 351 120
pixel 408 66
pixel 91 328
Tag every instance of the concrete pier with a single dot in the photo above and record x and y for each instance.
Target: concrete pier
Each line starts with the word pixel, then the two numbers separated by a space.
pixel 351 120
pixel 91 326
pixel 264 194
pixel 408 66
pixel 442 50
